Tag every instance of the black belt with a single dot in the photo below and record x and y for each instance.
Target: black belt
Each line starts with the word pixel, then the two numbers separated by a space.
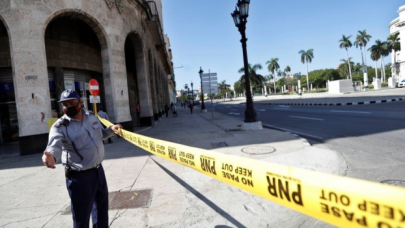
pixel 86 170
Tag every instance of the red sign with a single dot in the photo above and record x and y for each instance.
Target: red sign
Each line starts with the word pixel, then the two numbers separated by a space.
pixel 94 88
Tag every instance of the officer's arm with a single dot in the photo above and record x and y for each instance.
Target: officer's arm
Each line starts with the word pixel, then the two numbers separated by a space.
pixel 108 132
pixel 55 142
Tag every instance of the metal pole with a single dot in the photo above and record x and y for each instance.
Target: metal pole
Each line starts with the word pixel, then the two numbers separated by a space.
pixel 202 92
pixel 250 112
pixel 212 110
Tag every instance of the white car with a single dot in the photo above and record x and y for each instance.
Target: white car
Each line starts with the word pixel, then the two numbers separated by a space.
pixel 401 83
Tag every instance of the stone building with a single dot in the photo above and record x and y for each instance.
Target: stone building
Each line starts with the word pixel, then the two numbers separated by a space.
pixel 49 46
pixel 398 58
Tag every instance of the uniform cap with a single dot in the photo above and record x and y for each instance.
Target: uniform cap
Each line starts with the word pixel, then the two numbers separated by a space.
pixel 69 95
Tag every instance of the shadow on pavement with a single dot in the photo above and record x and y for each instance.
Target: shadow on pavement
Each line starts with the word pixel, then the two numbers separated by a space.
pixel 202 198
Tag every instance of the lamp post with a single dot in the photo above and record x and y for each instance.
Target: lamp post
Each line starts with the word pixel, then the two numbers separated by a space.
pixel 202 91
pixel 240 18
pixel 192 92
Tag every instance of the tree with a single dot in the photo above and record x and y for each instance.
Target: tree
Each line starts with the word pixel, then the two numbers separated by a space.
pixel 223 88
pixel 238 87
pixel 268 78
pixel 394 45
pixel 345 67
pixel 287 69
pixel 379 50
pixel 185 86
pixel 361 40
pixel 346 43
pixel 306 57
pixel 375 56
pixel 273 67
pixel 255 78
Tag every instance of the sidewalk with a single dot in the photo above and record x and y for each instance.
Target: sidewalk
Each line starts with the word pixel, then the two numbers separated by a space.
pixel 34 196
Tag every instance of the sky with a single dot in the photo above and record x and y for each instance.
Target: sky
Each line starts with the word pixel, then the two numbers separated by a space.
pixel 202 34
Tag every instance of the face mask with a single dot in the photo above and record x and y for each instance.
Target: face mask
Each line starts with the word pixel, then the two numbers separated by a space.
pixel 72 111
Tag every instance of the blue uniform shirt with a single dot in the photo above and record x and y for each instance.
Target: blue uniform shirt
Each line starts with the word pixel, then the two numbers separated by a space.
pixel 87 135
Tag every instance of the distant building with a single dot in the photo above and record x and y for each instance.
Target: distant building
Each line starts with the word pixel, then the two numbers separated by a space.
pixel 398 60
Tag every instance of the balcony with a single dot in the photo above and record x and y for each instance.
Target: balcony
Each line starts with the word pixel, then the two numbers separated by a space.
pixel 155 24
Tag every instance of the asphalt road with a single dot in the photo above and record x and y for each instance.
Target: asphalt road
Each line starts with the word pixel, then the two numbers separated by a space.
pixel 370 137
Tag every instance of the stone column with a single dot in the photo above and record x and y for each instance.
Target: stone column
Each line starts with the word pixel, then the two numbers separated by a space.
pixel 30 78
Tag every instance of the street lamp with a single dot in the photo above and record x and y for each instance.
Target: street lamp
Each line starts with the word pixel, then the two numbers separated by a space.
pixel 240 19
pixel 192 92
pixel 202 91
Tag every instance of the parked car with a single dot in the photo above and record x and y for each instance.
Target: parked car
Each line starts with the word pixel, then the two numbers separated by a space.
pixel 401 83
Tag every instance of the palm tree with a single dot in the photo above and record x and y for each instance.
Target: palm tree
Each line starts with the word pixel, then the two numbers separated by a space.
pixel 273 67
pixel 267 78
pixel 380 50
pixel 385 53
pixel 362 38
pixel 344 65
pixel 375 56
pixel 394 45
pixel 307 56
pixel 346 43
pixel 287 69
pixel 359 43
pixel 222 87
pixel 255 78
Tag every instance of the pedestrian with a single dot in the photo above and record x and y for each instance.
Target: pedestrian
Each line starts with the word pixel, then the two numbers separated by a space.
pixel 138 112
pixel 171 106
pixel 167 110
pixel 52 120
pixel 103 115
pixel 191 107
pixel 174 111
pixel 76 139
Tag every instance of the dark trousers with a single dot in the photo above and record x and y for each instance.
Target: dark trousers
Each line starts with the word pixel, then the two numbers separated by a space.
pixel 88 194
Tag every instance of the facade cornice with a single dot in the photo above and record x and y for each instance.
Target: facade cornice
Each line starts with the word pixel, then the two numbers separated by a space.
pixel 402 8
pixel 396 20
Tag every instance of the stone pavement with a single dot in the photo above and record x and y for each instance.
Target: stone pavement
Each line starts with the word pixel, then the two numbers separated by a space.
pixel 33 196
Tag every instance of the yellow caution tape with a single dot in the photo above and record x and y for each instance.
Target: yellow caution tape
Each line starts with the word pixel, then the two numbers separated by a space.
pixel 341 201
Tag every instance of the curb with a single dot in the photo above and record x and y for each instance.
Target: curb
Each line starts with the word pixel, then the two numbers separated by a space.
pixel 335 104
pixel 298 134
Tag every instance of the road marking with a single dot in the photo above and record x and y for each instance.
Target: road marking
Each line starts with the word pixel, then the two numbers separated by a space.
pixel 283 106
pixel 234 113
pixel 261 110
pixel 300 117
pixel 350 111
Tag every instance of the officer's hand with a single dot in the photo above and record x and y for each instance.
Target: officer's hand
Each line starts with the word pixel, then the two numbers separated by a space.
pixel 48 160
pixel 116 128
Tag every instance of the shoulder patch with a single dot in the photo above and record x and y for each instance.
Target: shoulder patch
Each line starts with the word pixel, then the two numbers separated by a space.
pixel 58 124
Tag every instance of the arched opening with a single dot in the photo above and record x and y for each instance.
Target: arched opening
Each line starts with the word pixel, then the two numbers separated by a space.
pixel 133 52
pixel 74 56
pixel 8 109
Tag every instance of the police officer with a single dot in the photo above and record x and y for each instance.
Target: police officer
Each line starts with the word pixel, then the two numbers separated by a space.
pixel 76 138
pixel 103 115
